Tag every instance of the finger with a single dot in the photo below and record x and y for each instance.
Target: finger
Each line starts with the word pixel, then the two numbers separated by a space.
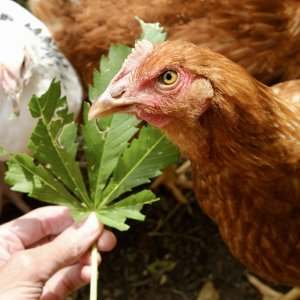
pixel 86 258
pixel 39 223
pixel 63 251
pixel 66 281
pixel 38 264
pixel 107 241
pixel 86 273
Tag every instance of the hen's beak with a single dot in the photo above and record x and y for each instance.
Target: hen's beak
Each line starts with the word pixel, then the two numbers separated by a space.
pixel 12 87
pixel 107 105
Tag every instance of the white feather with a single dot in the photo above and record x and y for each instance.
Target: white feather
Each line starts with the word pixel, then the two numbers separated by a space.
pixel 22 34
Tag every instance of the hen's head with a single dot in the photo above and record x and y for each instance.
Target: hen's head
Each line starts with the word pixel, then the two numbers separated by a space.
pixel 16 56
pixel 156 83
pixel 174 80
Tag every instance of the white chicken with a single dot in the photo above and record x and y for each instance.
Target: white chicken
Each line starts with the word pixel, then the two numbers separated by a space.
pixel 29 62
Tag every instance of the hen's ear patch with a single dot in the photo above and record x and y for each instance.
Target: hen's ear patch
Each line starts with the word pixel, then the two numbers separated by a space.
pixel 141 50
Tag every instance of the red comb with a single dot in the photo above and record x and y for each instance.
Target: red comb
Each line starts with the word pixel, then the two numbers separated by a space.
pixel 141 50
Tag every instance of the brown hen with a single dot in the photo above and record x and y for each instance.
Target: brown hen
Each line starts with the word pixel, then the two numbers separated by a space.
pixel 242 140
pixel 262 36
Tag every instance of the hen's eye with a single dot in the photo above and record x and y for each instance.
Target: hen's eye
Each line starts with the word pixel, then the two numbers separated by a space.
pixel 168 77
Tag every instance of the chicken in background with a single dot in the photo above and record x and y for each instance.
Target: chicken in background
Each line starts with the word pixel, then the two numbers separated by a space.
pixel 29 61
pixel 243 142
pixel 261 36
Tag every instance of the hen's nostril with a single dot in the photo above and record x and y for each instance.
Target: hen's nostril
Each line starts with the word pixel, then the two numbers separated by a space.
pixel 119 95
pixel 118 91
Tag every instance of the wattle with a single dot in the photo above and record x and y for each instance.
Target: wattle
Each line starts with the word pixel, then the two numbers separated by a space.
pixel 153 119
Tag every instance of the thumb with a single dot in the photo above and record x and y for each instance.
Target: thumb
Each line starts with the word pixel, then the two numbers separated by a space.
pixel 64 250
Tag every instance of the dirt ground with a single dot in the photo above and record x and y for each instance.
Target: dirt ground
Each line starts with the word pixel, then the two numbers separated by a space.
pixel 170 256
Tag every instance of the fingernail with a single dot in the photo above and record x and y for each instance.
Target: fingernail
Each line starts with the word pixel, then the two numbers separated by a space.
pixel 90 227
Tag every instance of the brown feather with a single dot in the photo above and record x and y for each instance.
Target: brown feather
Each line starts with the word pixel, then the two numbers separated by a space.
pixel 262 36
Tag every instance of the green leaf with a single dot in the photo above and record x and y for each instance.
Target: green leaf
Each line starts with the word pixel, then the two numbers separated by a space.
pixel 112 219
pixel 47 103
pixel 143 160
pixel 134 203
pixel 26 177
pixel 152 32
pixel 53 140
pixel 79 214
pixel 68 133
pixel 116 161
pixel 109 67
pixel 128 208
pixel 104 141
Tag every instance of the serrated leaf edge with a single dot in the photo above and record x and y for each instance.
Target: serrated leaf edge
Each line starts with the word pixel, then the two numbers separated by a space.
pixel 84 196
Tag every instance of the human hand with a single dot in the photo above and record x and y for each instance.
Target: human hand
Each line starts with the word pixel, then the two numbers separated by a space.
pixel 45 255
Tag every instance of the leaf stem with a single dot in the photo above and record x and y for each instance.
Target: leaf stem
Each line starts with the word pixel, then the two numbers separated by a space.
pixel 94 275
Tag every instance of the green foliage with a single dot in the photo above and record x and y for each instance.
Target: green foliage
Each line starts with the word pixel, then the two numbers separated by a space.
pixel 105 140
pixel 53 140
pixel 152 32
pixel 109 67
pixel 37 181
pixel 119 155
pixel 143 159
